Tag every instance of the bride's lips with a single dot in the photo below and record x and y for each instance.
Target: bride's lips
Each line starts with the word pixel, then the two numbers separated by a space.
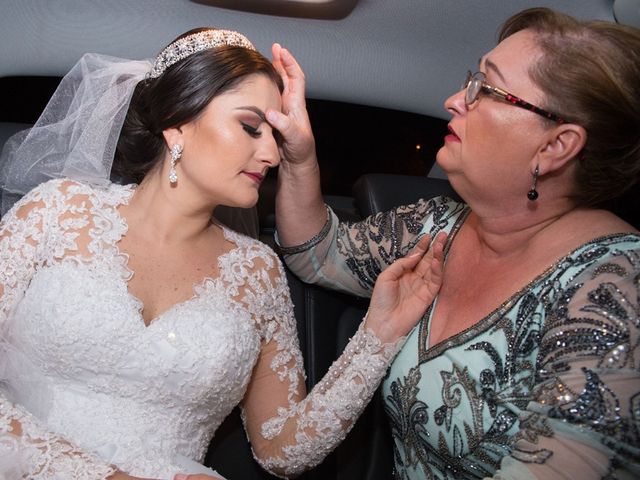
pixel 452 137
pixel 255 176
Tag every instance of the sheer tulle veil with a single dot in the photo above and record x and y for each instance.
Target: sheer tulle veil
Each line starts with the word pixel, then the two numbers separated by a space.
pixel 77 134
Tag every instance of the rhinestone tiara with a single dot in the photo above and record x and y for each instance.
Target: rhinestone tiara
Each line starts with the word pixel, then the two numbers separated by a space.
pixel 196 42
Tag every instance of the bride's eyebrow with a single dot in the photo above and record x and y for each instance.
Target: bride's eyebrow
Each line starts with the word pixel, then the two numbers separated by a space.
pixel 255 110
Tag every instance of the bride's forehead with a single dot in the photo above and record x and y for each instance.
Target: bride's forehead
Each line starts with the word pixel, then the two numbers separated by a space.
pixel 258 90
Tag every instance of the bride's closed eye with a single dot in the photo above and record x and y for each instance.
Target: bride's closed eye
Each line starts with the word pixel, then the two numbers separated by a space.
pixel 253 131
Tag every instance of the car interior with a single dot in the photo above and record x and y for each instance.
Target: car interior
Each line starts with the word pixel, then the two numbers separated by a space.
pixel 377 74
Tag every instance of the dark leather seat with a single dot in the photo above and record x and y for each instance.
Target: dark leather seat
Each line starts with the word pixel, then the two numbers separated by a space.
pixel 379 192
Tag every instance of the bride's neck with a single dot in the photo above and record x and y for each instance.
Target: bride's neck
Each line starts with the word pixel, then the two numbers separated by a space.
pixel 159 209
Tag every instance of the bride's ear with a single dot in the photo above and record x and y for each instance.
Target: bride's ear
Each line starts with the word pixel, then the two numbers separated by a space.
pixel 172 136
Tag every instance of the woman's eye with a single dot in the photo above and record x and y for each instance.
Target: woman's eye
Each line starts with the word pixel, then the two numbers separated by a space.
pixel 254 132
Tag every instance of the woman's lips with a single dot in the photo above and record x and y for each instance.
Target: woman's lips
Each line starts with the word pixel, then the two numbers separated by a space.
pixel 255 176
pixel 452 137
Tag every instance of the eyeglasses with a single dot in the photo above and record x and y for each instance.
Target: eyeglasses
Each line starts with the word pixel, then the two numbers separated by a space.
pixel 475 84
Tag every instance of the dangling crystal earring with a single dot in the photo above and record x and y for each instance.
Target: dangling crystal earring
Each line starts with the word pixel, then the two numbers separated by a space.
pixel 533 193
pixel 176 153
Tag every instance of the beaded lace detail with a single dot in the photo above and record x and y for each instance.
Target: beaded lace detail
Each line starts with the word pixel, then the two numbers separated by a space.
pixel 333 405
pixel 42 454
pixel 93 388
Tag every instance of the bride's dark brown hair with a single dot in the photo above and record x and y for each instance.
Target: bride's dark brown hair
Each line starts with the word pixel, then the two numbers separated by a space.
pixel 176 97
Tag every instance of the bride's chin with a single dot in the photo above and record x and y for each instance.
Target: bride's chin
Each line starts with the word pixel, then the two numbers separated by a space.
pixel 243 203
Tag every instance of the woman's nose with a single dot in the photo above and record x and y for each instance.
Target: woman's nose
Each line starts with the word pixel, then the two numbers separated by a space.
pixel 270 153
pixel 456 104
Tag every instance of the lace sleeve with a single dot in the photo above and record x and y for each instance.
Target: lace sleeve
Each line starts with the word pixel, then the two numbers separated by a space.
pixel 27 450
pixel 585 420
pixel 290 432
pixel 351 255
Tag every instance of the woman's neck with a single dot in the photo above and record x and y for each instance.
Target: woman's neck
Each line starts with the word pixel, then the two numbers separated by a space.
pixel 504 232
pixel 550 228
pixel 169 215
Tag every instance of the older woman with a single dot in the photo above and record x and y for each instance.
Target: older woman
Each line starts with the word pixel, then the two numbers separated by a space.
pixel 526 365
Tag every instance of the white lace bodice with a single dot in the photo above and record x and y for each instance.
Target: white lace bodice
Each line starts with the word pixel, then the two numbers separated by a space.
pixel 93 388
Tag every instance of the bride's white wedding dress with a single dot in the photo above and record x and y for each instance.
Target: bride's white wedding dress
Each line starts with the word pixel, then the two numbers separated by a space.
pixel 88 387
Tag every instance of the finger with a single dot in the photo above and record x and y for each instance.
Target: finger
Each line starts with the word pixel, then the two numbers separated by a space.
pixel 436 270
pixel 431 267
pixel 399 267
pixel 438 246
pixel 294 73
pixel 421 247
pixel 276 61
pixel 290 64
pixel 413 259
pixel 280 122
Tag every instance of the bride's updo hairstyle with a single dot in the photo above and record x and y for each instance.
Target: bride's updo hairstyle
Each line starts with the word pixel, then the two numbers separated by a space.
pixel 187 75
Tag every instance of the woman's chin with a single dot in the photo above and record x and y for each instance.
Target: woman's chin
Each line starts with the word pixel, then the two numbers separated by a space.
pixel 442 160
pixel 248 202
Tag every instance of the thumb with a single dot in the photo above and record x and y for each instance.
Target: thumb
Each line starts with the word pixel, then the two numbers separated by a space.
pixel 279 121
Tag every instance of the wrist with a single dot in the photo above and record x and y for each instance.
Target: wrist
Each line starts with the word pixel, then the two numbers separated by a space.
pixel 122 476
pixel 386 333
pixel 385 344
pixel 304 168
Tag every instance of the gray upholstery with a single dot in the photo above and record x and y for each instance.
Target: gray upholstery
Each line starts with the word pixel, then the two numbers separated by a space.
pixel 9 128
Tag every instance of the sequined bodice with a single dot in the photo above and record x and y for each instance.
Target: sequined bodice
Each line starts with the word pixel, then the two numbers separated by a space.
pixel 471 392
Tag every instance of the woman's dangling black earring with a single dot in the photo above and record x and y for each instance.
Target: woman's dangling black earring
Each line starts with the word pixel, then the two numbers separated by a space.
pixel 533 193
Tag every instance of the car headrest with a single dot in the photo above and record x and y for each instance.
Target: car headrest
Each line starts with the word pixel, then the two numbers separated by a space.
pixel 379 192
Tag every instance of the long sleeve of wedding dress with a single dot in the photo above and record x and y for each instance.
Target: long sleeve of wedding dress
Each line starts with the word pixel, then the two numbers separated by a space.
pixel 322 420
pixel 27 448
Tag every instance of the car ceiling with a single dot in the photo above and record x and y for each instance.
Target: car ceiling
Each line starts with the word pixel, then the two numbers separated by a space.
pixel 400 54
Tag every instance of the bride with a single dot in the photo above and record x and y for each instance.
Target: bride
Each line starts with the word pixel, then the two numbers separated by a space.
pixel 130 322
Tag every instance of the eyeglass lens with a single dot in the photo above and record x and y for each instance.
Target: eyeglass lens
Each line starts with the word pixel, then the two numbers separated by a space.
pixel 473 84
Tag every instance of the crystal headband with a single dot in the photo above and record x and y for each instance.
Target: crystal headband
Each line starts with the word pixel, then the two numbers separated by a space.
pixel 196 42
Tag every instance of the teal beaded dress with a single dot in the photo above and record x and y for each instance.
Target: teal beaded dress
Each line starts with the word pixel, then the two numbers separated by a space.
pixel 547 383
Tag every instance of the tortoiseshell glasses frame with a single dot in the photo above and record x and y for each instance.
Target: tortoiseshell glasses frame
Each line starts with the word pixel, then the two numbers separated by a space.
pixel 475 83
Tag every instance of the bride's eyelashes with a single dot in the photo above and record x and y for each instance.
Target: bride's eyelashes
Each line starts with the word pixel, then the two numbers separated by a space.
pixel 252 131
